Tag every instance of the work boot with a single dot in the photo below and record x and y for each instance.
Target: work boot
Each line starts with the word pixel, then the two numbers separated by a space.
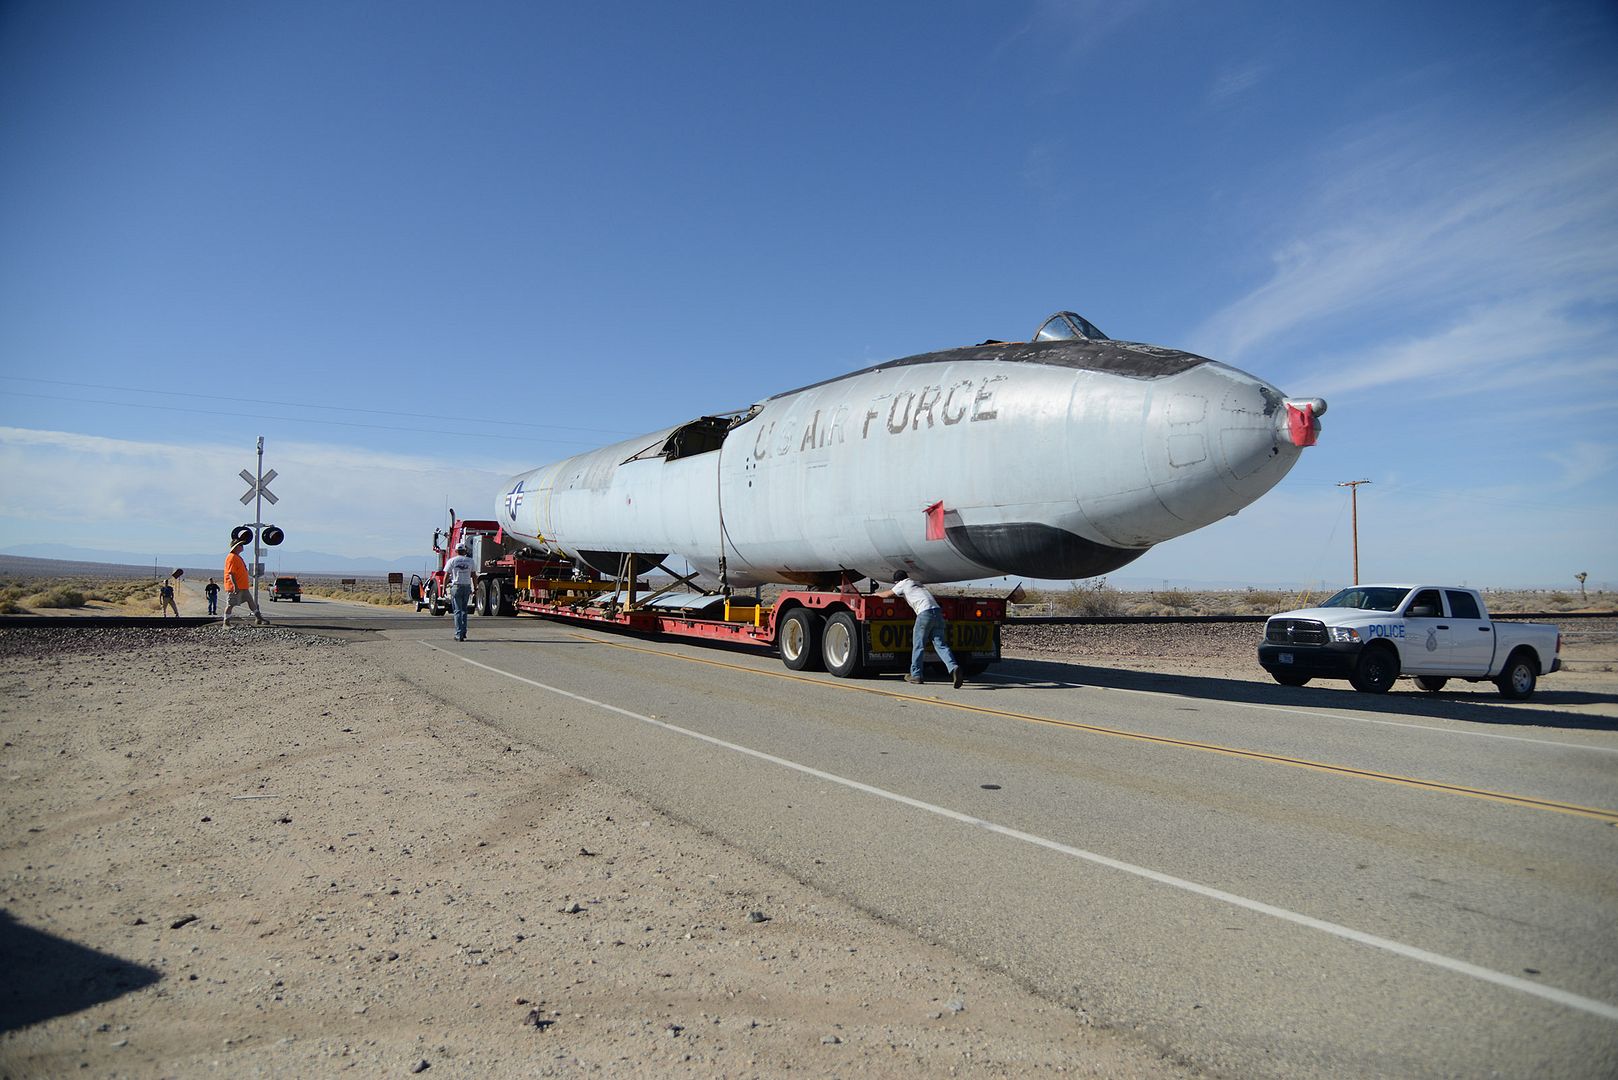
pixel 917 679
pixel 957 676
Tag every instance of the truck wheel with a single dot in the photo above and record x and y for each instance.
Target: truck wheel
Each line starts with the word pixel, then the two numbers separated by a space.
pixel 1431 683
pixel 1290 680
pixel 799 640
pixel 840 646
pixel 505 600
pixel 1518 680
pixel 483 598
pixel 1377 668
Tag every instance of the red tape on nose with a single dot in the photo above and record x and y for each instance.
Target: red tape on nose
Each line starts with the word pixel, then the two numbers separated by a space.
pixel 1301 425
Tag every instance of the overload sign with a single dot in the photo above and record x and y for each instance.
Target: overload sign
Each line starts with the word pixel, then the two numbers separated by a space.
pixel 967 640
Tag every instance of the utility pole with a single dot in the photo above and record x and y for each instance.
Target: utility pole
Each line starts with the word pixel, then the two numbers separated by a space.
pixel 1353 487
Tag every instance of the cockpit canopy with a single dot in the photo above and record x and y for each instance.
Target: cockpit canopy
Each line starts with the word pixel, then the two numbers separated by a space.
pixel 1066 326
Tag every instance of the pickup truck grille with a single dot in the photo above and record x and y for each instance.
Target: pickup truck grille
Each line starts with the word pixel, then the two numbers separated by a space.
pixel 1295 632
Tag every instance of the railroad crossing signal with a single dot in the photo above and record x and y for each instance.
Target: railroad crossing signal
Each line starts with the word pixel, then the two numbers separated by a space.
pixel 256 488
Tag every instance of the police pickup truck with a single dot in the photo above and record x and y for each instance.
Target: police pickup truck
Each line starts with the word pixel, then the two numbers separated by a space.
pixel 1373 634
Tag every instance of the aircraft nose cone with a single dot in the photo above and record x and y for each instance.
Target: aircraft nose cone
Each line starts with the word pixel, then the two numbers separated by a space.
pixel 1219 439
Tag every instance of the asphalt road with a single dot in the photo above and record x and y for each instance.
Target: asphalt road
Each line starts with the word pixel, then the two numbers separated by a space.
pixel 1258 886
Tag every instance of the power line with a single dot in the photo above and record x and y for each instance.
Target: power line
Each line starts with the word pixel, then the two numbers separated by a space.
pixel 297 405
pixel 1426 492
pixel 234 414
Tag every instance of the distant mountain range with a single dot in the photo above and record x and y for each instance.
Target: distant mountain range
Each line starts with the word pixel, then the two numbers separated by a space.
pixel 287 562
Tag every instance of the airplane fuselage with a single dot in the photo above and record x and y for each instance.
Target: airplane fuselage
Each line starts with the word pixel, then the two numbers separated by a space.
pixel 1048 459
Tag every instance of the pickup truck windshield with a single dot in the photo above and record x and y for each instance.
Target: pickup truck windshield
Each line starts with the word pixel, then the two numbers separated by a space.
pixel 1368 599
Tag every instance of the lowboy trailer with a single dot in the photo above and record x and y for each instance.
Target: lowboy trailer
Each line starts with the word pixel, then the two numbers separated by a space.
pixel 842 631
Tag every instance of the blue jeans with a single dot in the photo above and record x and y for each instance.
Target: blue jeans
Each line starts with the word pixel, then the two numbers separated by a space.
pixel 460 599
pixel 929 628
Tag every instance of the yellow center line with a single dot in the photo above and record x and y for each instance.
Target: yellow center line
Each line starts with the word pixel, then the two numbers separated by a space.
pixel 1528 801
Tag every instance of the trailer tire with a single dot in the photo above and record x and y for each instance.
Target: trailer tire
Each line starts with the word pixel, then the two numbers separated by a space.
pixel 799 640
pixel 840 646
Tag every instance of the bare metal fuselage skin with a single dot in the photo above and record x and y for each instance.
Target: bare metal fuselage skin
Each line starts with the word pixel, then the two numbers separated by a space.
pixel 1050 459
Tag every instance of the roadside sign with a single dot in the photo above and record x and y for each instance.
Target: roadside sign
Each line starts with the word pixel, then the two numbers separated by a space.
pixel 256 488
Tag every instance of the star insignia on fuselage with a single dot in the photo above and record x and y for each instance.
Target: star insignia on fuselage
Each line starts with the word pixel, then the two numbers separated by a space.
pixel 514 500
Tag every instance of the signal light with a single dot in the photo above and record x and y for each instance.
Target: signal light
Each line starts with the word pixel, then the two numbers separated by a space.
pixel 271 535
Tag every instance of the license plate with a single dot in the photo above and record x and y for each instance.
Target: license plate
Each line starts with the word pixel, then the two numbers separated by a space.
pixel 1285 658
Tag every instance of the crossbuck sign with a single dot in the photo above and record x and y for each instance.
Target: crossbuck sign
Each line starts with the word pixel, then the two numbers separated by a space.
pixel 258 487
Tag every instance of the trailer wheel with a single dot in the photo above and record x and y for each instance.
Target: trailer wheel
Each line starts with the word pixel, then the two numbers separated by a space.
pixel 799 640
pixel 840 646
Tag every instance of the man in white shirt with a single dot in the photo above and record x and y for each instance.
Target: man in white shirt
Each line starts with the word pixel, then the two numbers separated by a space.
pixel 459 576
pixel 930 627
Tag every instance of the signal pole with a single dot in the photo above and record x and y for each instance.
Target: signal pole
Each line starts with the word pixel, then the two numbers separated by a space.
pixel 258 522
pixel 1353 487
pixel 257 491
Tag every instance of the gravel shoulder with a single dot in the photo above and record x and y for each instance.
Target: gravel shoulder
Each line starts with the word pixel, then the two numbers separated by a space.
pixel 246 853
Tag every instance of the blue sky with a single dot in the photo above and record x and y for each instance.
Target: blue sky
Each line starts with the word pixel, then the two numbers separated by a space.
pixel 420 247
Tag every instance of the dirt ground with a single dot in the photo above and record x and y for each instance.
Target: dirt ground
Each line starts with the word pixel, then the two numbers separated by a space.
pixel 244 853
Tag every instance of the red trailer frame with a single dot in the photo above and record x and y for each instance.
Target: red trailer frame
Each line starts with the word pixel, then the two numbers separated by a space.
pixel 843 631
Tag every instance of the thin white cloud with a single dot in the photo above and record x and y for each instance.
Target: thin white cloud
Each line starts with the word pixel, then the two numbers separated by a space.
pixel 90 491
pixel 1233 83
pixel 1403 225
pixel 1066 28
pixel 1485 349
pixel 1583 462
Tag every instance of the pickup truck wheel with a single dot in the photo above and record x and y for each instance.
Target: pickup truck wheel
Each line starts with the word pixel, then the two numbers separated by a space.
pixel 1377 668
pixel 1431 683
pixel 799 640
pixel 840 646
pixel 1518 680
pixel 1290 680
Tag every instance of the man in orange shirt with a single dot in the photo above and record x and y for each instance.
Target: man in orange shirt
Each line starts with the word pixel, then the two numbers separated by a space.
pixel 238 585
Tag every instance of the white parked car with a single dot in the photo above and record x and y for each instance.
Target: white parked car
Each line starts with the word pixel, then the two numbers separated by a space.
pixel 1374 634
